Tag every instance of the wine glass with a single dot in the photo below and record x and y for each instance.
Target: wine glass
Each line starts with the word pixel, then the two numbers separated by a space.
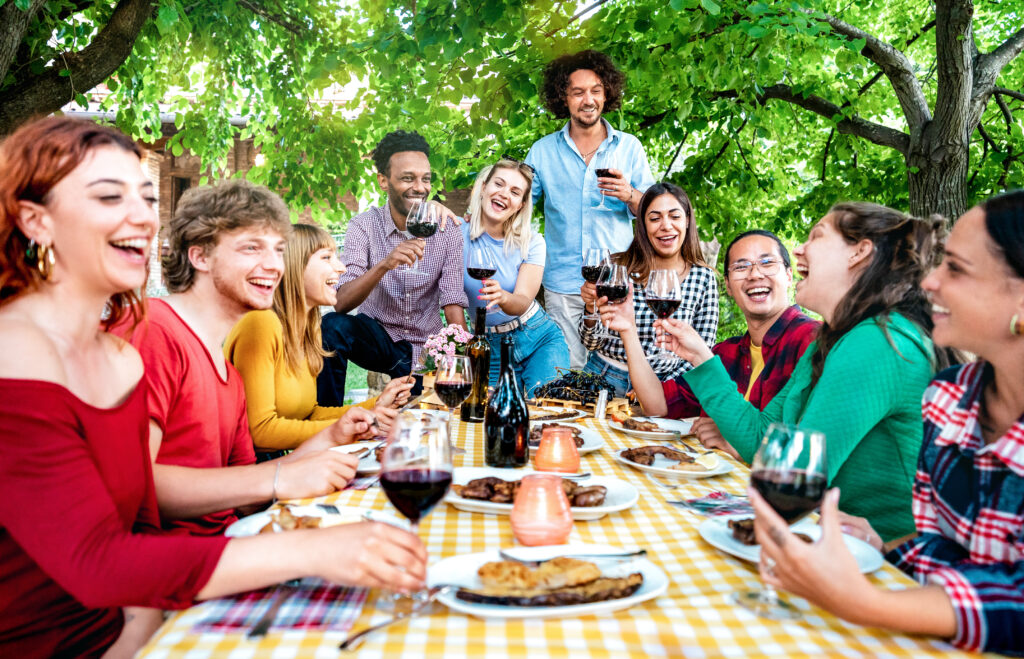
pixel 663 297
pixel 480 263
pixel 421 222
pixel 453 382
pixel 789 470
pixel 593 261
pixel 416 471
pixel 603 172
pixel 613 283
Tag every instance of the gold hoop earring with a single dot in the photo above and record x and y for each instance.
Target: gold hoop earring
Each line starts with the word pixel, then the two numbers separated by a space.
pixel 45 261
pixel 1016 325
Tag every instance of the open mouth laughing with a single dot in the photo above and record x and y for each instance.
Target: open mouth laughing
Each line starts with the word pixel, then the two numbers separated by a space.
pixel 758 293
pixel 264 284
pixel 135 248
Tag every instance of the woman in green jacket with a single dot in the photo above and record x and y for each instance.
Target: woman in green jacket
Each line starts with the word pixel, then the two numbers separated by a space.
pixel 862 380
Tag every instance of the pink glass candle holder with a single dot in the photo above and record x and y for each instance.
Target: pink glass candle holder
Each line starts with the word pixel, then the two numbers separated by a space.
pixel 540 512
pixel 557 451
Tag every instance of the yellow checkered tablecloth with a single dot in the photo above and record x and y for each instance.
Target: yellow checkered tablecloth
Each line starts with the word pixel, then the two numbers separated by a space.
pixel 693 619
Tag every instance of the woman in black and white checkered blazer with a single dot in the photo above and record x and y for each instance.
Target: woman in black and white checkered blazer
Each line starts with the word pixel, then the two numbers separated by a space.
pixel 664 238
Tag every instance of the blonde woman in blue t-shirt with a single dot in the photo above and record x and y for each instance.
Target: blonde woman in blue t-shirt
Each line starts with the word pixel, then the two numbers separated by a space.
pixel 500 208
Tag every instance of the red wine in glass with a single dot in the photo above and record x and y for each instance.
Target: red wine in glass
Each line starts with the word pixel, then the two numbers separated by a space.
pixel 603 173
pixel 615 293
pixel 793 494
pixel 592 273
pixel 452 393
pixel 421 229
pixel 414 492
pixel 662 308
pixel 481 273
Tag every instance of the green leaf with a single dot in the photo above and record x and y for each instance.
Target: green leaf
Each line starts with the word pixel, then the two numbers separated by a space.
pixel 676 5
pixel 23 4
pixel 166 17
pixel 711 7
pixel 177 150
pixel 756 31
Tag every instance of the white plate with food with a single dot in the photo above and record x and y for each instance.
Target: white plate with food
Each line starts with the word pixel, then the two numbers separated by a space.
pixel 619 495
pixel 664 462
pixel 464 571
pixel 590 440
pixel 548 414
pixel 287 517
pixel 649 427
pixel 717 533
pixel 368 464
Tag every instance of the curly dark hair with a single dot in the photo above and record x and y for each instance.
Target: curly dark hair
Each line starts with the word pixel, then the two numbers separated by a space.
pixel 395 142
pixel 556 80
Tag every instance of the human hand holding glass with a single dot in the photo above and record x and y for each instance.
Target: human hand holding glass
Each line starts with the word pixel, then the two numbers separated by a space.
pixel 594 260
pixel 613 284
pixel 480 264
pixel 790 472
pixel 663 296
pixel 421 222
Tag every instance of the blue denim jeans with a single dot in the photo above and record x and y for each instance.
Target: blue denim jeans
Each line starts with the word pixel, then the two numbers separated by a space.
pixel 618 378
pixel 537 348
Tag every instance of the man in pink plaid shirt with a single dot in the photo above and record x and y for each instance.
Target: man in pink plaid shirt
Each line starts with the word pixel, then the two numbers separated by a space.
pixel 398 307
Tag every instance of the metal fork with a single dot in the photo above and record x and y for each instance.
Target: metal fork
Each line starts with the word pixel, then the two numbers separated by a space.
pixel 667 486
pixel 282 592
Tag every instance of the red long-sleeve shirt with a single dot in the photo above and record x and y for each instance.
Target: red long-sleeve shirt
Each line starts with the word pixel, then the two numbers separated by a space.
pixel 79 527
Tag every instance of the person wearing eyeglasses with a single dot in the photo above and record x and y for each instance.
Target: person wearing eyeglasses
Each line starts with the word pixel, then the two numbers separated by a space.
pixel 758 276
pixel 591 177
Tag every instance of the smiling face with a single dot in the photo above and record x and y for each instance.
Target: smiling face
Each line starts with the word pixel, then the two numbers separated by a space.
pixel 101 221
pixel 408 179
pixel 321 276
pixel 666 224
pixel 974 291
pixel 246 266
pixel 759 296
pixel 584 97
pixel 503 195
pixel 828 266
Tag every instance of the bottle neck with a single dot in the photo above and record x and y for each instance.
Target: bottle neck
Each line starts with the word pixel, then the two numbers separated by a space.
pixel 506 356
pixel 481 321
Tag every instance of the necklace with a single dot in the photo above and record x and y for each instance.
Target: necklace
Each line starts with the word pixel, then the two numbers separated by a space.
pixel 590 153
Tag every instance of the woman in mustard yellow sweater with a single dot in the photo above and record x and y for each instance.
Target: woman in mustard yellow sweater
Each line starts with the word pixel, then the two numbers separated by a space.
pixel 279 351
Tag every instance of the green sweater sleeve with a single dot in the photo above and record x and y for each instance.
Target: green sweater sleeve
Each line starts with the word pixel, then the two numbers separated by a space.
pixel 861 384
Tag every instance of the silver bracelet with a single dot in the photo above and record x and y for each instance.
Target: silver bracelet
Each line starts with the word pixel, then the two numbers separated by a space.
pixel 277 474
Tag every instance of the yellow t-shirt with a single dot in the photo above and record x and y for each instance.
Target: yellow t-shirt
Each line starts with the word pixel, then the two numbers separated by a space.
pixel 756 366
pixel 281 404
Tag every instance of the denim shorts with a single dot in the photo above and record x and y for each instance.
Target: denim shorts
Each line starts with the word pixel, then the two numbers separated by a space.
pixel 538 347
pixel 618 378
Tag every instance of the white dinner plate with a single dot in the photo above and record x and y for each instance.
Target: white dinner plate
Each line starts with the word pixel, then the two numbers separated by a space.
pixel 662 467
pixel 461 570
pixel 669 426
pixel 620 496
pixel 252 524
pixel 576 414
pixel 368 463
pixel 592 440
pixel 715 530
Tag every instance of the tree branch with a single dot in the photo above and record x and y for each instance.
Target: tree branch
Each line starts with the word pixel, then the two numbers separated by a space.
pixel 988 140
pixel 48 91
pixel 824 155
pixel 990 64
pixel 576 16
pixel 284 21
pixel 1009 92
pixel 897 69
pixel 1005 109
pixel 872 132
pixel 15 24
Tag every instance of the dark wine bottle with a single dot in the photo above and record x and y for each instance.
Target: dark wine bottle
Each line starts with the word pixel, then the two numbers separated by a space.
pixel 507 421
pixel 479 351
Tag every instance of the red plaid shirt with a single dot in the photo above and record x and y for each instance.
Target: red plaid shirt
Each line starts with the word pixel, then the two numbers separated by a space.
pixel 969 512
pixel 781 349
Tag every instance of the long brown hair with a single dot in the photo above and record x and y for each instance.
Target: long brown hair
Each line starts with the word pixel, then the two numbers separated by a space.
pixel 33 160
pixel 303 346
pixel 905 249
pixel 640 254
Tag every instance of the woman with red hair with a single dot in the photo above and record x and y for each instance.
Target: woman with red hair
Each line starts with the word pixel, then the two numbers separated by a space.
pixel 78 513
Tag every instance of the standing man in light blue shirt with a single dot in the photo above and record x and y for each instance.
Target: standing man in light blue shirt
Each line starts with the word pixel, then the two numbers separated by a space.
pixel 581 87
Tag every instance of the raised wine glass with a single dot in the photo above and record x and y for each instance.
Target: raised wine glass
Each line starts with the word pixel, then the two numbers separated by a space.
pixel 453 382
pixel 663 296
pixel 416 471
pixel 603 172
pixel 613 284
pixel 593 261
pixel 790 471
pixel 421 222
pixel 480 263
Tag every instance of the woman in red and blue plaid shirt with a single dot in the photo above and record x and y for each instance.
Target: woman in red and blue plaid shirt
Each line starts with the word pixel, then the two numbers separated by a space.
pixel 968 500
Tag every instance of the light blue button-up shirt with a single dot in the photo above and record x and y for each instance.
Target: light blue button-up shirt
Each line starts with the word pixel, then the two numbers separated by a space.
pixel 572 223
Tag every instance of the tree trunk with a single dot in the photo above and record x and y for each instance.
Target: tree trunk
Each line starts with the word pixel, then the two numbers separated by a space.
pixel 939 184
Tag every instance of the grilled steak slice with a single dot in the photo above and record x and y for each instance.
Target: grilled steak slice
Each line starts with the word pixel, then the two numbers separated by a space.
pixel 743 530
pixel 587 497
pixel 537 431
pixel 599 590
pixel 496 490
pixel 645 426
pixel 644 455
